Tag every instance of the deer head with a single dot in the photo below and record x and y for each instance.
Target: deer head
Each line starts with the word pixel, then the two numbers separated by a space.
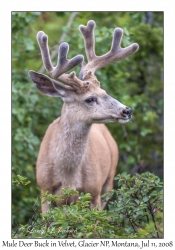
pixel 82 95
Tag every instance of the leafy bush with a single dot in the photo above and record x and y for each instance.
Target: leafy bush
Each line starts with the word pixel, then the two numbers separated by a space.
pixel 135 210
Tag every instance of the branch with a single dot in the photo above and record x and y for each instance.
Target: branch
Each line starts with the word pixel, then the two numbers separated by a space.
pixel 153 218
pixel 131 224
pixel 125 134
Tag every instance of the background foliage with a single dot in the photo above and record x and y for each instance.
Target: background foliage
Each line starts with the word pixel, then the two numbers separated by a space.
pixel 136 82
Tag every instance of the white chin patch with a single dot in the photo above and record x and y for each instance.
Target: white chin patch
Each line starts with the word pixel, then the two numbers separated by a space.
pixel 123 121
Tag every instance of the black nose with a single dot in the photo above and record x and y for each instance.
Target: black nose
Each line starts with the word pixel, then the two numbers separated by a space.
pixel 128 112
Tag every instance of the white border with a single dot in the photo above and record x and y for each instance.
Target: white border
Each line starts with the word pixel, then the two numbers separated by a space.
pixel 5 93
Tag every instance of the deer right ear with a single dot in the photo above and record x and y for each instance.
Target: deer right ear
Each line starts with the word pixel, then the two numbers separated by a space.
pixel 46 85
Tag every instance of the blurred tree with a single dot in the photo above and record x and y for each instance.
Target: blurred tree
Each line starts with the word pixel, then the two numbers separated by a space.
pixel 136 82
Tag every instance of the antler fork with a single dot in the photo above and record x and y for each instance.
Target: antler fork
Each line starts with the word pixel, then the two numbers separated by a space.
pixel 116 53
pixel 63 64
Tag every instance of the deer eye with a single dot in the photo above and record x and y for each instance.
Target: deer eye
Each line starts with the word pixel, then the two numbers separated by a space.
pixel 91 100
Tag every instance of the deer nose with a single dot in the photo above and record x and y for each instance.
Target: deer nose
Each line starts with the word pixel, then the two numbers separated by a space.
pixel 127 112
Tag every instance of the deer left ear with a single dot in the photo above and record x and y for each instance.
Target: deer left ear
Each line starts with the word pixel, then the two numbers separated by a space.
pixel 46 84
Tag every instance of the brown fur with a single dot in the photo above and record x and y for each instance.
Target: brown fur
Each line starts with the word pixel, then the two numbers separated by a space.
pixel 95 171
pixel 76 151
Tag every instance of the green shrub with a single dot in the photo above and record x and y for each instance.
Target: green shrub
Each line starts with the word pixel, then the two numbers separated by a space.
pixel 134 210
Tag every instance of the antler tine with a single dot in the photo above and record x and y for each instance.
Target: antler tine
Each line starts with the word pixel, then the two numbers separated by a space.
pixel 88 33
pixel 63 64
pixel 42 39
pixel 116 52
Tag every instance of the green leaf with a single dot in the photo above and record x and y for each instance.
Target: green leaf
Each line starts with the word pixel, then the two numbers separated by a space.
pixel 145 199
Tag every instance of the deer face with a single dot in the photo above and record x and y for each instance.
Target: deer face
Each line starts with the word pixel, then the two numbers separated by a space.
pixel 92 106
pixel 97 106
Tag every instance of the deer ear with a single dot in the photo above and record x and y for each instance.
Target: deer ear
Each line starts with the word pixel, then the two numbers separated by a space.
pixel 46 85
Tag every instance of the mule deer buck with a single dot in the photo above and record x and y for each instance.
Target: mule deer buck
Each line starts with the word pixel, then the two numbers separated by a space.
pixel 77 149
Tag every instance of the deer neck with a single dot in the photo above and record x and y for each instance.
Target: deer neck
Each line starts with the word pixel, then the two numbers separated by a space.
pixel 74 137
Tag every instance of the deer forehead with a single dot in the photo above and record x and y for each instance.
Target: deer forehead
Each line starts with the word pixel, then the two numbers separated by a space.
pixel 93 91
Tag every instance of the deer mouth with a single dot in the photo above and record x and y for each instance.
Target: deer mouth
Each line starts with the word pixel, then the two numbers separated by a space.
pixel 122 121
pixel 113 119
